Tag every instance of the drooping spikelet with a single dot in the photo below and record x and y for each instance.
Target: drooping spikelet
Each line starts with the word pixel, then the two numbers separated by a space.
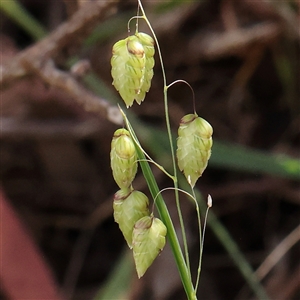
pixel 132 67
pixel 148 240
pixel 129 207
pixel 193 146
pixel 123 158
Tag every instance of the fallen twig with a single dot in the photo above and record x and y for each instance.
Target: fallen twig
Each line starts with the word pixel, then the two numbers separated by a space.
pixel 37 59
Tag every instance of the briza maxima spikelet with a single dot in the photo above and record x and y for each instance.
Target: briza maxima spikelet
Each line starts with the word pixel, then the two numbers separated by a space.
pixel 132 67
pixel 129 206
pixel 148 240
pixel 193 146
pixel 123 158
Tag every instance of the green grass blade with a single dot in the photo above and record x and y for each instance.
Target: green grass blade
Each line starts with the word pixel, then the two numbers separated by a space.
pixel 235 157
pixel 119 280
pixel 227 155
pixel 237 256
pixel 14 10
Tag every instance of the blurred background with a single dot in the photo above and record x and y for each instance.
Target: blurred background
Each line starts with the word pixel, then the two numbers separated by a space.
pixel 242 59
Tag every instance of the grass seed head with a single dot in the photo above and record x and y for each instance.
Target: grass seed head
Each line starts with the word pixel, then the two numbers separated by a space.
pixel 132 67
pixel 123 158
pixel 148 240
pixel 194 145
pixel 128 209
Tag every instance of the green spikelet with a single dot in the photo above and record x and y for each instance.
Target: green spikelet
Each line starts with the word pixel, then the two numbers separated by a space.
pixel 148 44
pixel 148 240
pixel 129 207
pixel 123 158
pixel 193 146
pixel 132 67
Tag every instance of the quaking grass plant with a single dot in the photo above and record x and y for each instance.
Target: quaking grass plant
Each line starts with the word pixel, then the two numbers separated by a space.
pixel 132 71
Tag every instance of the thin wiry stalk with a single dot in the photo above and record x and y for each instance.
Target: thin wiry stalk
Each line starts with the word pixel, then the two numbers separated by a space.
pixel 170 142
